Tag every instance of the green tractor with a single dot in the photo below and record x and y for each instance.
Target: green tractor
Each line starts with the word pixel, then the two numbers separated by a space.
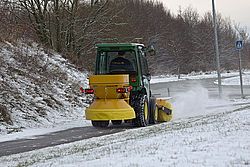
pixel 121 88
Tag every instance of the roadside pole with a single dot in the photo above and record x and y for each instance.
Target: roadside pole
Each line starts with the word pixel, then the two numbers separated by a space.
pixel 239 46
pixel 217 49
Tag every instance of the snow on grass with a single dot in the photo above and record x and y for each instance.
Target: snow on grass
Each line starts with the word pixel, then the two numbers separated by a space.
pixel 39 88
pixel 236 80
pixel 220 139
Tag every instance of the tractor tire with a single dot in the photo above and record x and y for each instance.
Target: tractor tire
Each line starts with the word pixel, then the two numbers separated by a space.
pixel 100 124
pixel 153 111
pixel 142 111
pixel 116 122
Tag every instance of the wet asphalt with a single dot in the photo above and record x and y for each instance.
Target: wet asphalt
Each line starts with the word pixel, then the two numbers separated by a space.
pixel 56 138
pixel 174 88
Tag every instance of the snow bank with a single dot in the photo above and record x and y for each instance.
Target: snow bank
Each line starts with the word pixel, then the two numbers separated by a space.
pixel 39 88
pixel 236 80
pixel 230 77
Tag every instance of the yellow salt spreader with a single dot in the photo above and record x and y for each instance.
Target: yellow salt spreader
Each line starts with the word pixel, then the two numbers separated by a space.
pixel 121 88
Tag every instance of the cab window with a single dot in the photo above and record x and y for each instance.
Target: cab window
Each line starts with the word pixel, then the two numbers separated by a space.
pixel 144 64
pixel 114 62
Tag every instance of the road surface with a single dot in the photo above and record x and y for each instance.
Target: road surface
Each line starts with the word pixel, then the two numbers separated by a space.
pixel 55 138
pixel 175 88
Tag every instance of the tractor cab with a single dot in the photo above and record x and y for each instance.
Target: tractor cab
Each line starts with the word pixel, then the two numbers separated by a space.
pixel 124 59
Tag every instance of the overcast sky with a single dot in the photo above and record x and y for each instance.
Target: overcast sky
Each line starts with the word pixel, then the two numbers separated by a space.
pixel 237 10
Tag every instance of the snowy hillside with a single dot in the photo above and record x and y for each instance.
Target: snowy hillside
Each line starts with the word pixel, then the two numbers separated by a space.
pixel 38 88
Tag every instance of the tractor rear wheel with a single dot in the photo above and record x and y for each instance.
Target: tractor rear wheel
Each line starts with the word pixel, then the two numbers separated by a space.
pixel 100 124
pixel 116 122
pixel 142 112
pixel 153 111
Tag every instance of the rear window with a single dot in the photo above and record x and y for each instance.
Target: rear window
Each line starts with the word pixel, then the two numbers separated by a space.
pixel 112 62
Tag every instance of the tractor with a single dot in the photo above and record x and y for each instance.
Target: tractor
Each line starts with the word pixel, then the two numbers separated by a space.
pixel 121 88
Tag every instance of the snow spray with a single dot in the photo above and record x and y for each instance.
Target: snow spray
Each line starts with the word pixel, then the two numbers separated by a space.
pixel 191 103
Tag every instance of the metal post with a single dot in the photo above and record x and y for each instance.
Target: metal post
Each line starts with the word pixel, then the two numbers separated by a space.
pixel 217 49
pixel 241 82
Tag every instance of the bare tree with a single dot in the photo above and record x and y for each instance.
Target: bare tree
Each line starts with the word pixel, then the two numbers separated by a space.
pixel 184 42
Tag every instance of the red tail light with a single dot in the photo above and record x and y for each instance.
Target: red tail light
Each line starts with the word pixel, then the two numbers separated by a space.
pixel 133 79
pixel 122 90
pixel 87 91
